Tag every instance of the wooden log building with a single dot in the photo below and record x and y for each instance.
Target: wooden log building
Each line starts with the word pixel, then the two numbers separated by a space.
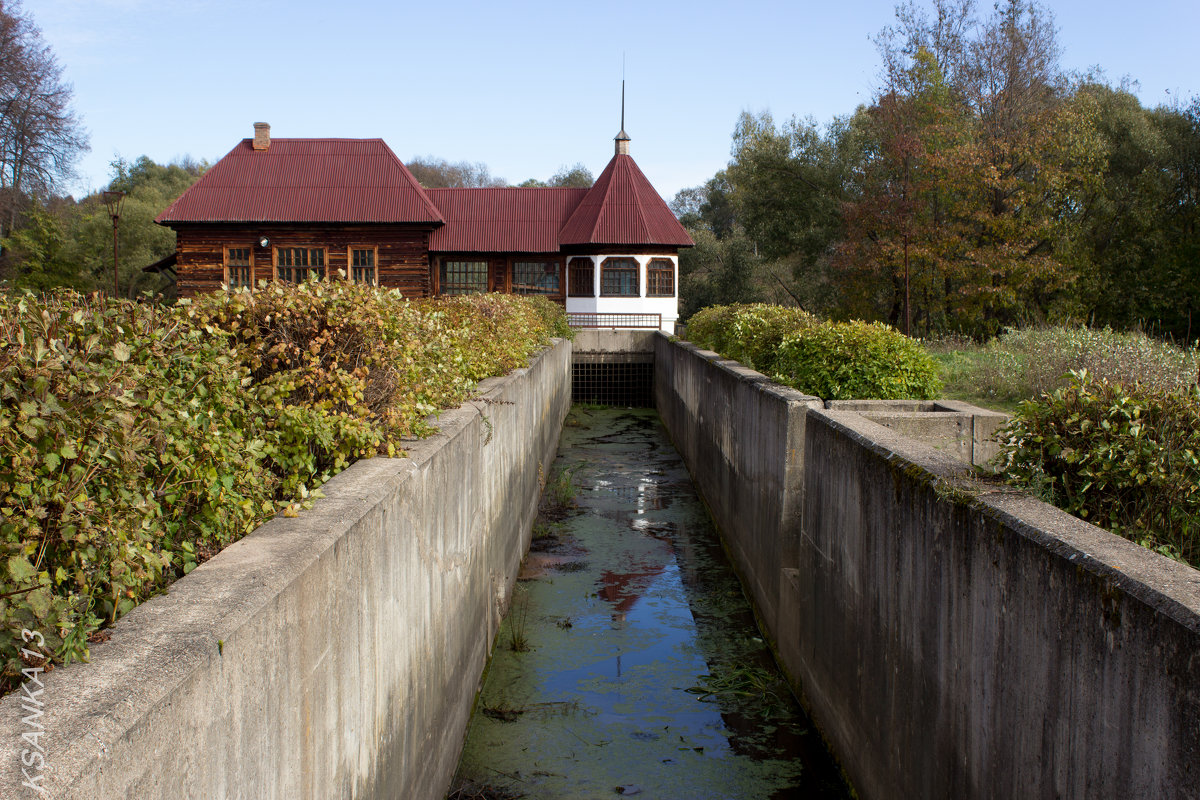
pixel 291 209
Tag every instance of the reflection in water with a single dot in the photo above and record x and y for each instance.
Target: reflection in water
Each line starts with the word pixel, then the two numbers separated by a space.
pixel 644 671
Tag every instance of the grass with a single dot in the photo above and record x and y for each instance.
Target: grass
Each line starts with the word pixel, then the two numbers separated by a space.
pixel 560 490
pixel 545 537
pixel 558 498
pixel 1025 364
pixel 1113 446
pixel 518 620
pixel 745 683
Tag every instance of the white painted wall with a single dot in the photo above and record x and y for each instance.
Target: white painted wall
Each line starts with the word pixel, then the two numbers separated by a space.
pixel 668 307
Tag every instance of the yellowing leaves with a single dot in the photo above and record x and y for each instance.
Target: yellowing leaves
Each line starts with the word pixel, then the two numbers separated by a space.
pixel 122 473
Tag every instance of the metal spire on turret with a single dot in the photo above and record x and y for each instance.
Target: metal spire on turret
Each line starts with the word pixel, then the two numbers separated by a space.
pixel 622 138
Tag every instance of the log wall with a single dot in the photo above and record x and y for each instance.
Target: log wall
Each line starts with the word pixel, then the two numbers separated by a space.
pixel 402 260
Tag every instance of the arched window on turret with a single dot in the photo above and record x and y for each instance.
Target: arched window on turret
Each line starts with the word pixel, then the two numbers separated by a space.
pixel 619 278
pixel 581 276
pixel 660 278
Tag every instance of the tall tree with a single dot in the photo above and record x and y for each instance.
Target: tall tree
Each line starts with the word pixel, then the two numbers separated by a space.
pixel 40 135
pixel 64 243
pixel 1121 246
pixel 903 245
pixel 1182 132
pixel 438 173
pixel 786 184
pixel 575 177
pixel 980 172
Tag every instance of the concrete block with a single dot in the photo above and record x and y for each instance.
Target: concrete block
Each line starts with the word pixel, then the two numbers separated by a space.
pixel 955 639
pixel 612 340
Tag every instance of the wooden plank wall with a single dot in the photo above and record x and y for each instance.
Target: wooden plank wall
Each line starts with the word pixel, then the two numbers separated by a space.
pixel 402 261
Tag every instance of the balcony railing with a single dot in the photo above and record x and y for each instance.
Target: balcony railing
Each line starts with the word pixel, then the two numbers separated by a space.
pixel 579 319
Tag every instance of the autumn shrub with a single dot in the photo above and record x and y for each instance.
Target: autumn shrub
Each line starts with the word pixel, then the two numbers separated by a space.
pixel 831 360
pixel 1124 458
pixel 124 433
pixel 553 320
pixel 135 439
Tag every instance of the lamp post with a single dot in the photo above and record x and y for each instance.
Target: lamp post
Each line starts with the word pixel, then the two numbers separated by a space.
pixel 113 202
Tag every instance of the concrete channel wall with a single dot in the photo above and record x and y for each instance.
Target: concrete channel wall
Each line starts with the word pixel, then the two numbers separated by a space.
pixel 951 638
pixel 742 438
pixel 336 654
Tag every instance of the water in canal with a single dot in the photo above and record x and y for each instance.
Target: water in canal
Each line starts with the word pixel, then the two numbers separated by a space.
pixel 629 663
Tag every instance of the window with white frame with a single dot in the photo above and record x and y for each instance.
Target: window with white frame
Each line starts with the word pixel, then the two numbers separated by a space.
pixel 582 277
pixel 619 278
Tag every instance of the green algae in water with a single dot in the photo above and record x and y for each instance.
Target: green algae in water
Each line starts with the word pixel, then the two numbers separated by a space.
pixel 642 669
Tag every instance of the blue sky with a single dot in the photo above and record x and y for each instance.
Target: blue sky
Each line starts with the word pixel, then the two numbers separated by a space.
pixel 524 87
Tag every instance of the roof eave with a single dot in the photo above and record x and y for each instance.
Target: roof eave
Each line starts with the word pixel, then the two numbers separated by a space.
pixel 171 223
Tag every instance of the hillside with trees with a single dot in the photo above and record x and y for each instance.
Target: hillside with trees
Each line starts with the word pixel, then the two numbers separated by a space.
pixel 49 239
pixel 982 187
pixel 438 173
pixel 64 242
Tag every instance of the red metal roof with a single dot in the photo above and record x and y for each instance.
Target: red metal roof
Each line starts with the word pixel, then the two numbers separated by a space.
pixel 502 220
pixel 623 208
pixel 306 180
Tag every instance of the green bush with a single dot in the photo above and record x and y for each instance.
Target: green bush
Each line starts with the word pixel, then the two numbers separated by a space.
pixel 749 333
pixel 136 439
pixel 1127 459
pixel 709 327
pixel 831 360
pixel 856 360
pixel 123 432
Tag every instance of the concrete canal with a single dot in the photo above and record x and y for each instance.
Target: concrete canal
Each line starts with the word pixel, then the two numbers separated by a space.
pixel 629 662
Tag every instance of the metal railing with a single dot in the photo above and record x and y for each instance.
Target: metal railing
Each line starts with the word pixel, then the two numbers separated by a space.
pixel 579 319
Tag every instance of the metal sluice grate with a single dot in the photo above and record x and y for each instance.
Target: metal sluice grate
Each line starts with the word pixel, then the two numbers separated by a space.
pixel 613 383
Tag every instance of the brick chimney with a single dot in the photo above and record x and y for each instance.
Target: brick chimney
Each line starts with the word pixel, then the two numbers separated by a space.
pixel 262 136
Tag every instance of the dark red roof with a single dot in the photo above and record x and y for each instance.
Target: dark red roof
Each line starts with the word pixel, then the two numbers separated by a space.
pixel 502 220
pixel 623 208
pixel 306 180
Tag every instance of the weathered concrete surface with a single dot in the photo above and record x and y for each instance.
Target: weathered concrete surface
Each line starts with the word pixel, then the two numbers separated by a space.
pixel 950 640
pixel 959 642
pixel 965 431
pixel 602 346
pixel 604 340
pixel 742 438
pixel 332 655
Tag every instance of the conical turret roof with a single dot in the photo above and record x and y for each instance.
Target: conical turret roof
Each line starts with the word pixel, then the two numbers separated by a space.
pixel 622 208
